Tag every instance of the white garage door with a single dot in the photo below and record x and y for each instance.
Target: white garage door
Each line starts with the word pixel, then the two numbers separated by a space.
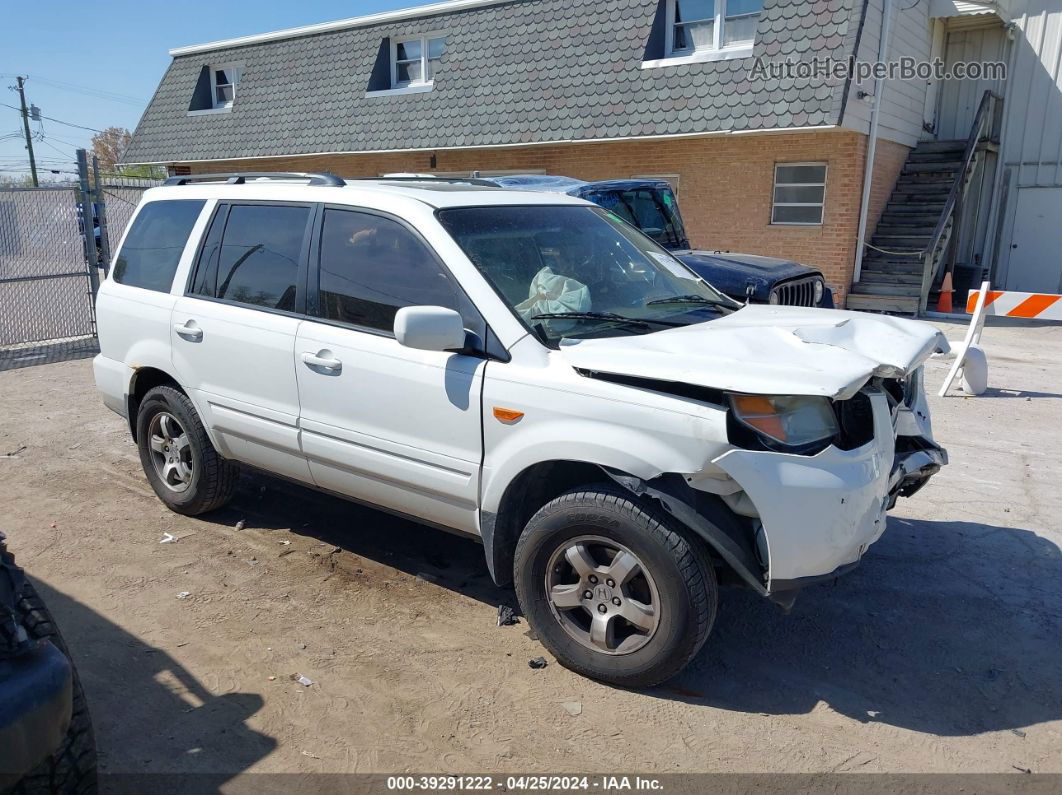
pixel 1036 248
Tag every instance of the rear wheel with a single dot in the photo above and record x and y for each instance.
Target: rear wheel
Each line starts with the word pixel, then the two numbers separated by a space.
pixel 181 464
pixel 615 588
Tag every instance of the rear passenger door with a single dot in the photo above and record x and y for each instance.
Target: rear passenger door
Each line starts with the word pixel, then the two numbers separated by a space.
pixel 383 423
pixel 233 332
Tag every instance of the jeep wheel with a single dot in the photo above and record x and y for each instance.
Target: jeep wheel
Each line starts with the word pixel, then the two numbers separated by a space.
pixel 613 587
pixel 181 464
pixel 71 768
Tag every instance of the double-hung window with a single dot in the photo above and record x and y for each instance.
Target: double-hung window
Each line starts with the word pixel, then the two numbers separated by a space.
pixel 414 61
pixel 698 26
pixel 223 81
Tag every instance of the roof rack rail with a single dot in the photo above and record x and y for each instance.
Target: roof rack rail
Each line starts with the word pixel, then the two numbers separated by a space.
pixel 328 180
pixel 431 178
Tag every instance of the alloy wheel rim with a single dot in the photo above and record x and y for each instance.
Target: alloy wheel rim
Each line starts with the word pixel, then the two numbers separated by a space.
pixel 171 452
pixel 602 595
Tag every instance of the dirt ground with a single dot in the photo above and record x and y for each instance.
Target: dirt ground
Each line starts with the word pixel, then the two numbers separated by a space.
pixel 941 652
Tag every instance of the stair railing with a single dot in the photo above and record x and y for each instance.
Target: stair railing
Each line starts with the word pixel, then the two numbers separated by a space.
pixel 986 124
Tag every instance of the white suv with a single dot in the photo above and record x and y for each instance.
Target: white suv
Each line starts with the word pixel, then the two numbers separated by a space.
pixel 523 368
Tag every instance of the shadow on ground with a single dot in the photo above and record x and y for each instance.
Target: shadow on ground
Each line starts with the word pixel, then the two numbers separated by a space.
pixel 136 691
pixel 17 357
pixel 453 561
pixel 948 628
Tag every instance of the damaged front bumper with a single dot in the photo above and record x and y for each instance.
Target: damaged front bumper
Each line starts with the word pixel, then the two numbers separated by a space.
pixel 816 515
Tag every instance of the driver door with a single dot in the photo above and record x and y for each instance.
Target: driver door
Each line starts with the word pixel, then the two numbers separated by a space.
pixel 389 425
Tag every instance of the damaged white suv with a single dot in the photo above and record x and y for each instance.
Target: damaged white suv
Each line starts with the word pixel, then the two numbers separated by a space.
pixel 523 368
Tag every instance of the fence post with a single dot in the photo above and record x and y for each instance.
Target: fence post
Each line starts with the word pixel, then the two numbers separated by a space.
pixel 101 209
pixel 87 227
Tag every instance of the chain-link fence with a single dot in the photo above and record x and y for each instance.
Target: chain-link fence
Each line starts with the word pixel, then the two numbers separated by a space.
pixel 121 201
pixel 46 287
pixel 45 291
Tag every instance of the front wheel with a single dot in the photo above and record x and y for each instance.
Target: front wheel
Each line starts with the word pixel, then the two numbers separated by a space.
pixel 615 588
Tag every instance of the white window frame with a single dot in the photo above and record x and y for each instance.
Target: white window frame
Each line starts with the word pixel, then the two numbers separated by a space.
pixel 691 54
pixel 418 85
pixel 821 205
pixel 234 72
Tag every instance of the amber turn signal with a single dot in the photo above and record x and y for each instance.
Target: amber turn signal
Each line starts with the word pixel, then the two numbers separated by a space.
pixel 507 415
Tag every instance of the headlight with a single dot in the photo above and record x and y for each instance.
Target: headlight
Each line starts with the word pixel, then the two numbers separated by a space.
pixel 819 289
pixel 774 297
pixel 791 423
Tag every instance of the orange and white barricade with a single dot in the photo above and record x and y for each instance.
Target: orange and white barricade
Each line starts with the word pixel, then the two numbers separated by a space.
pixel 1002 303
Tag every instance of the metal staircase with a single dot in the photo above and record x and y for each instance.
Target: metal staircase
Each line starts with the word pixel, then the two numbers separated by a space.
pixel 912 245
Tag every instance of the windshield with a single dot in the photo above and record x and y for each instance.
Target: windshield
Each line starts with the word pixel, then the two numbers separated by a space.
pixel 653 210
pixel 578 271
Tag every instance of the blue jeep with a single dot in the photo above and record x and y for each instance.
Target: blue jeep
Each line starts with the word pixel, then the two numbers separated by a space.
pixel 650 205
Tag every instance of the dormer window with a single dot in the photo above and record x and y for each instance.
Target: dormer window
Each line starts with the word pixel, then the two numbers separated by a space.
pixel 723 27
pixel 415 60
pixel 223 82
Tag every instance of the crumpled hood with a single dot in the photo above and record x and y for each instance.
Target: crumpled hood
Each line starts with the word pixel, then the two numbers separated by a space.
pixel 769 350
pixel 733 273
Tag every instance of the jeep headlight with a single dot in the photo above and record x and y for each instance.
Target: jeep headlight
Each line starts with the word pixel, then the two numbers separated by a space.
pixel 786 423
pixel 819 289
pixel 774 297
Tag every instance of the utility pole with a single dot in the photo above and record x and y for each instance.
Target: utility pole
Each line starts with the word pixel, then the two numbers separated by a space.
pixel 25 127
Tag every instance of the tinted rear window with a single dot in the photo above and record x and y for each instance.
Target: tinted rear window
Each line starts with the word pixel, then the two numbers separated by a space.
pixel 155 242
pixel 260 253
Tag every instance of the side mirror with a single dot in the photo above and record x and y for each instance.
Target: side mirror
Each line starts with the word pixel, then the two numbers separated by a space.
pixel 430 328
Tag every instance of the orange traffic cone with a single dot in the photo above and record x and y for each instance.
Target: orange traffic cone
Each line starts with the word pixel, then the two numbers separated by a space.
pixel 944 302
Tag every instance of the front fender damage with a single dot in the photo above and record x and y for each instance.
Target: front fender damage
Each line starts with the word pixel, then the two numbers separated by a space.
pixel 723 532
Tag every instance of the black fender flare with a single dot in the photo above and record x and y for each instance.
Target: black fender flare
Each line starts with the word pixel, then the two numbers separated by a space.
pixel 680 500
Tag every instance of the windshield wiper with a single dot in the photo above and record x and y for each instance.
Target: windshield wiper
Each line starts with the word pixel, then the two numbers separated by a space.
pixel 631 321
pixel 690 299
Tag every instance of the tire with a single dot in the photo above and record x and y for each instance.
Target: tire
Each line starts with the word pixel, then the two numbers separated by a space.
pixel 72 768
pixel 191 478
pixel 673 577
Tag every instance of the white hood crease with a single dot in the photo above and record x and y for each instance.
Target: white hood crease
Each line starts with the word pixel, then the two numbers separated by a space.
pixel 769 350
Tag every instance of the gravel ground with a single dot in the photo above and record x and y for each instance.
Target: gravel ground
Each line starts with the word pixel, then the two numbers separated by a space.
pixel 940 653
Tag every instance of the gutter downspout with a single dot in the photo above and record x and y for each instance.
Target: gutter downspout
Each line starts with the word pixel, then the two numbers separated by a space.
pixel 872 144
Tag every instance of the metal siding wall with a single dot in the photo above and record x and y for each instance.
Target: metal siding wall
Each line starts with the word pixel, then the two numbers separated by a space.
pixel 1032 144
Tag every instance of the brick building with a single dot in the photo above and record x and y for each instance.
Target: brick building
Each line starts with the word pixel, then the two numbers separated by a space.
pixel 616 88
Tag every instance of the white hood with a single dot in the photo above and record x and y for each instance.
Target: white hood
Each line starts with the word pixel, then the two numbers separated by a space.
pixel 769 350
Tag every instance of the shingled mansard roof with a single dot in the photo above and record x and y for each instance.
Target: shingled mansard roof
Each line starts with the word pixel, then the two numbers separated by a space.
pixel 514 72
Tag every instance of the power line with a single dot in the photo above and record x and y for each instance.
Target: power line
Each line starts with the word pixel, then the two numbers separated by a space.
pixel 57 121
pixel 88 90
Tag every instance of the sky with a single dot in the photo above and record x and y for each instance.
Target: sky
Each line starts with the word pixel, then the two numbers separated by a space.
pixel 96 65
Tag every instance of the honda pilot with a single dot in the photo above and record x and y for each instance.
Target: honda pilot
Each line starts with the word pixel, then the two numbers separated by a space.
pixel 527 369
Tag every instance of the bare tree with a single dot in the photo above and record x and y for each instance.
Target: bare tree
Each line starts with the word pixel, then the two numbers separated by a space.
pixel 109 146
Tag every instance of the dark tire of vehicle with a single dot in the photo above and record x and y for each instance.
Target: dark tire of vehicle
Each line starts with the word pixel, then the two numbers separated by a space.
pixel 71 769
pixel 685 582
pixel 213 479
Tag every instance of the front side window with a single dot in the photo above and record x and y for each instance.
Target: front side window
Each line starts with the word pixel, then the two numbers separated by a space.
pixel 579 271
pixel 799 193
pixel 416 60
pixel 702 25
pixel 223 81
pixel 258 257
pixel 372 266
pixel 156 240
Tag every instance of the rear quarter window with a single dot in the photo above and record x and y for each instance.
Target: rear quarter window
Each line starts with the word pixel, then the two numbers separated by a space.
pixel 155 242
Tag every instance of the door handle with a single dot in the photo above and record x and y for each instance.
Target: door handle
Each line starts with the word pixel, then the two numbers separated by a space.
pixel 324 362
pixel 189 331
